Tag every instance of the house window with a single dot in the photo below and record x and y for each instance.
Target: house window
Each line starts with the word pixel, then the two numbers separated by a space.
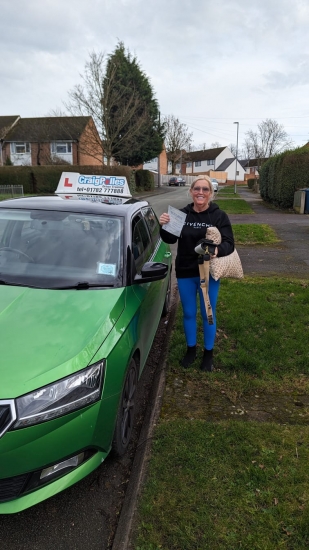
pixel 177 165
pixel 210 162
pixel 189 164
pixel 61 147
pixel 197 163
pixel 20 148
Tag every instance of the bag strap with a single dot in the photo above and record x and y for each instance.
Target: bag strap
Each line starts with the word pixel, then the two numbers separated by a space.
pixel 203 264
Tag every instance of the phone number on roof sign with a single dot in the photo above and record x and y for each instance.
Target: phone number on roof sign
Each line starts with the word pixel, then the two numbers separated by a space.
pixel 102 181
pixel 108 191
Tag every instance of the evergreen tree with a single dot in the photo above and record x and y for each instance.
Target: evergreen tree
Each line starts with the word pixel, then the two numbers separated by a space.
pixel 139 137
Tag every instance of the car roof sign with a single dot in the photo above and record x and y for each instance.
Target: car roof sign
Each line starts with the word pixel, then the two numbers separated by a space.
pixel 73 183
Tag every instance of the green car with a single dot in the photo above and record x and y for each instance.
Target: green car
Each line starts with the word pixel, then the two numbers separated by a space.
pixel 84 281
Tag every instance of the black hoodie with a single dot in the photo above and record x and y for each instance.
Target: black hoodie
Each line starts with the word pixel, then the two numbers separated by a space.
pixel 194 230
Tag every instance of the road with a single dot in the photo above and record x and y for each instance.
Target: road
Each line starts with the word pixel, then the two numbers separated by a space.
pixel 175 196
pixel 85 515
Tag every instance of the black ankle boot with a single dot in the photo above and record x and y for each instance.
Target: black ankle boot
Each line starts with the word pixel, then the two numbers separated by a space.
pixel 207 364
pixel 189 357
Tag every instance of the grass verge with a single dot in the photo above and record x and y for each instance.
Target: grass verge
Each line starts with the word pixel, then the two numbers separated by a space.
pixel 235 206
pixel 235 483
pixel 226 486
pixel 228 191
pixel 263 329
pixel 253 234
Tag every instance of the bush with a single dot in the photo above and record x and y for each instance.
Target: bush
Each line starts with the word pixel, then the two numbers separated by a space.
pixel 284 174
pixel 251 183
pixel 144 180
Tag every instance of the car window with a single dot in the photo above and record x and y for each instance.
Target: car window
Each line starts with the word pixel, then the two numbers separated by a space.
pixel 152 224
pixel 141 244
pixel 50 248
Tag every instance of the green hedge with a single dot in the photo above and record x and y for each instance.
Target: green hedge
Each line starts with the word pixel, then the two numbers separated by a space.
pixel 44 179
pixel 144 180
pixel 284 174
pixel 251 182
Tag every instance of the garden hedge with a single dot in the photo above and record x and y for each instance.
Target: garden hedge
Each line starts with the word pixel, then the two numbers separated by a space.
pixel 44 179
pixel 144 180
pixel 284 174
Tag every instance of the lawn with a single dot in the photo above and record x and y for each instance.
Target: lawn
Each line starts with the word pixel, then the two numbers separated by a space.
pixel 240 481
pixel 233 206
pixel 228 191
pixel 253 234
pixel 226 486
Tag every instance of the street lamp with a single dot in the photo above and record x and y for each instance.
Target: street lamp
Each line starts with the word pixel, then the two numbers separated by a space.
pixel 235 190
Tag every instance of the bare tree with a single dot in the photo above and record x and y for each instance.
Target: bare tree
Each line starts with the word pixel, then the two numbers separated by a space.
pixel 118 110
pixel 241 151
pixel 178 140
pixel 215 145
pixel 269 140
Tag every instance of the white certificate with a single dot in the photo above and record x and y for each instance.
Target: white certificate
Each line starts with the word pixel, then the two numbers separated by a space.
pixel 177 220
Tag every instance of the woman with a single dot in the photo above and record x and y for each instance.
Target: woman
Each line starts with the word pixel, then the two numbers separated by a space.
pixel 201 213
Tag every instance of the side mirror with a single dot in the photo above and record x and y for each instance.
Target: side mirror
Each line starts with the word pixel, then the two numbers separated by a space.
pixel 151 271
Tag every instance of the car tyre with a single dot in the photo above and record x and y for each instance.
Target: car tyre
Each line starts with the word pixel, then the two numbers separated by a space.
pixel 126 411
pixel 167 301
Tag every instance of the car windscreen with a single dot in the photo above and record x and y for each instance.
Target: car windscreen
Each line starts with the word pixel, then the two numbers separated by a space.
pixel 52 249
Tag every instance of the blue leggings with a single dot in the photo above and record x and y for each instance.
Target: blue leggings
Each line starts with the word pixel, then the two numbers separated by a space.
pixel 188 289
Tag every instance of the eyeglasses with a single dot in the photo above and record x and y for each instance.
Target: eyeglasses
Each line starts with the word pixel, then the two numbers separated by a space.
pixel 204 189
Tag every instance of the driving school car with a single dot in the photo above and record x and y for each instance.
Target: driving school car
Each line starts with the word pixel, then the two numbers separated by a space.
pixel 84 281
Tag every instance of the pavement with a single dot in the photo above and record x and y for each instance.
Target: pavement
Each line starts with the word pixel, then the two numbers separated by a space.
pixel 290 257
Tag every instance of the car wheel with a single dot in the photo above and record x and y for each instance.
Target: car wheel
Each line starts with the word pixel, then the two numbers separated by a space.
pixel 167 301
pixel 126 411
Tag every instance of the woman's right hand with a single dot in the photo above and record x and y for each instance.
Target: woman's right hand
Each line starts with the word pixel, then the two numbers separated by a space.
pixel 164 218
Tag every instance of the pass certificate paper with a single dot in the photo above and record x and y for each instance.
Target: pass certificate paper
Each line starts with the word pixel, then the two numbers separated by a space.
pixel 177 219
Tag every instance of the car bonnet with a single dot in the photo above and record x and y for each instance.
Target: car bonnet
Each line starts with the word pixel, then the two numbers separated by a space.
pixel 49 334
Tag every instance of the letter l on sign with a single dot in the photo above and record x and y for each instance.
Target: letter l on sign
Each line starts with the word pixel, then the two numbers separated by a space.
pixel 66 183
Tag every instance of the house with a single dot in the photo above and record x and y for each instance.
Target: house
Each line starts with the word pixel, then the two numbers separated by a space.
pixel 251 167
pixel 6 123
pixel 233 169
pixel 158 164
pixel 219 159
pixel 50 140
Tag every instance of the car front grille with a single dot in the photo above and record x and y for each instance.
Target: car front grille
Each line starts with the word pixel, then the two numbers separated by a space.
pixel 12 487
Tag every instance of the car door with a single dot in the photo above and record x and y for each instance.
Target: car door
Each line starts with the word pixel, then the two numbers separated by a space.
pixel 146 247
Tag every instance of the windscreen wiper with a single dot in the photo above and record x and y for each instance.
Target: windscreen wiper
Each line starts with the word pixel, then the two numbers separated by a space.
pixel 9 283
pixel 84 285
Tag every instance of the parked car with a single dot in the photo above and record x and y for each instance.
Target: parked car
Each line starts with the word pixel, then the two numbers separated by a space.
pixel 215 184
pixel 177 181
pixel 85 279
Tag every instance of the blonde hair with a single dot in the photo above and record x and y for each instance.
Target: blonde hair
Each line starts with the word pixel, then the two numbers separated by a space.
pixel 205 178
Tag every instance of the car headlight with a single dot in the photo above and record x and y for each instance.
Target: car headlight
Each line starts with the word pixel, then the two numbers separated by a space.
pixel 60 398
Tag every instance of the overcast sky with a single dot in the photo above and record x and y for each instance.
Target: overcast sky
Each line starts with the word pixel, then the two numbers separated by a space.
pixel 211 63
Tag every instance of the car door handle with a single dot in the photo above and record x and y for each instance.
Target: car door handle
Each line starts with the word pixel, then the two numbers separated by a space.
pixel 167 254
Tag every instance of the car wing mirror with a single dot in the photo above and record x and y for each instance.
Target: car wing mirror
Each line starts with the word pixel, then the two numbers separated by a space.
pixel 151 271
